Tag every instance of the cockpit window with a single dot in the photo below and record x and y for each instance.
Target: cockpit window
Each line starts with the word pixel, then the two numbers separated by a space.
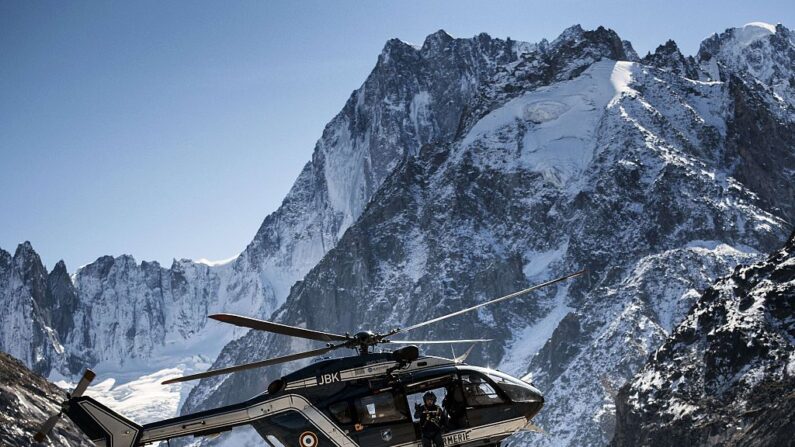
pixel 516 390
pixel 380 408
pixel 478 391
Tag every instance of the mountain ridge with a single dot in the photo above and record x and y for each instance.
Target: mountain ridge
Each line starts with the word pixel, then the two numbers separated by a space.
pixel 408 123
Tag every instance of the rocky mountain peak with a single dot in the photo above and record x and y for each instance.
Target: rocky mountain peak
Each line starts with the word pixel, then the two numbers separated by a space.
pixel 436 42
pixel 575 50
pixel 572 33
pixel 602 41
pixel 62 299
pixel 396 50
pixel 668 57
pixel 26 255
pixel 99 267
pixel 758 50
pixel 564 156
pixel 32 271
pixel 733 39
pixel 25 247
pixel 5 259
pixel 30 310
pixel 60 268
pixel 667 49
pixel 104 264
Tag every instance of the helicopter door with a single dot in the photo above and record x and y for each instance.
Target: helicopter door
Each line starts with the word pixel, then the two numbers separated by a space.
pixel 455 405
pixel 484 403
pixel 449 396
pixel 383 419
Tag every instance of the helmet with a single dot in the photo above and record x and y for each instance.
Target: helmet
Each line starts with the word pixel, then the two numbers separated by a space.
pixel 429 395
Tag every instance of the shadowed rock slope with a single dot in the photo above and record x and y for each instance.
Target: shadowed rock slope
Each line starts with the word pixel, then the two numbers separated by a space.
pixel 726 376
pixel 26 401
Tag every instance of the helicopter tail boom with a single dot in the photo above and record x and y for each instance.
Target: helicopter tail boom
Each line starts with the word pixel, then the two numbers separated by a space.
pixel 101 424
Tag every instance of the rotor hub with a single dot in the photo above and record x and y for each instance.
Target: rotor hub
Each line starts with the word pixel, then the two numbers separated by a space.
pixel 366 338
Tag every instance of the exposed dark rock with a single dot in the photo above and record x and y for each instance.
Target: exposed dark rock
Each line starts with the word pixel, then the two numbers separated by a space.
pixel 758 141
pixel 26 401
pixel 726 375
pixel 668 57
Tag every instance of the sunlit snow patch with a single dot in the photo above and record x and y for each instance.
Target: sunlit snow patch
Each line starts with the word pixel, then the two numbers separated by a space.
pixel 559 120
pixel 751 32
pixel 143 399
pixel 218 262
pixel 526 343
pixel 134 388
pixel 540 262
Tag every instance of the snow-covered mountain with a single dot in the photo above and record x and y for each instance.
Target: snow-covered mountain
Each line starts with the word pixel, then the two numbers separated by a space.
pixel 505 69
pixel 460 170
pixel 759 51
pixel 656 182
pixel 136 319
pixel 37 309
pixel 726 375
pixel 133 320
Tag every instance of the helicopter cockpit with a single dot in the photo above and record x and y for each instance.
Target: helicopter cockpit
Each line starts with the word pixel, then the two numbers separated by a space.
pixel 470 395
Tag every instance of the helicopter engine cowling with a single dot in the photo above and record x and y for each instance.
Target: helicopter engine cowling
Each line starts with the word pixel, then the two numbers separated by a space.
pixel 406 354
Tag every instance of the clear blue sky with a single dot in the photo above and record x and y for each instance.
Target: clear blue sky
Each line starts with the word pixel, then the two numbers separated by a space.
pixel 171 129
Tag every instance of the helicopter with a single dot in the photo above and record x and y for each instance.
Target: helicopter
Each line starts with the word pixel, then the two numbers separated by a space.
pixel 360 400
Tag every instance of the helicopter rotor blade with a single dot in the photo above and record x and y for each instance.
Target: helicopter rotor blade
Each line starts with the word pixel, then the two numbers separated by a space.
pixel 277 328
pixel 496 300
pixel 259 364
pixel 81 387
pixel 46 427
pixel 437 342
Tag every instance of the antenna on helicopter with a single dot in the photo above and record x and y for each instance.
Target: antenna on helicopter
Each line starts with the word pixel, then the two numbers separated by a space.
pixel 463 357
pixel 361 341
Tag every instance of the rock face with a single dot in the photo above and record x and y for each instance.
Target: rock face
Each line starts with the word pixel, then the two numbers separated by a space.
pixel 726 375
pixel 760 51
pixel 128 312
pixel 122 313
pixel 631 170
pixel 37 308
pixel 461 170
pixel 668 57
pixel 26 401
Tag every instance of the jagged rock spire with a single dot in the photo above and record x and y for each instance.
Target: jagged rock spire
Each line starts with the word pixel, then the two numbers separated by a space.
pixel 668 57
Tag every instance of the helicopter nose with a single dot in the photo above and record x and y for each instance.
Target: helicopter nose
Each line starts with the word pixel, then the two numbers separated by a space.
pixel 534 403
pixel 531 409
